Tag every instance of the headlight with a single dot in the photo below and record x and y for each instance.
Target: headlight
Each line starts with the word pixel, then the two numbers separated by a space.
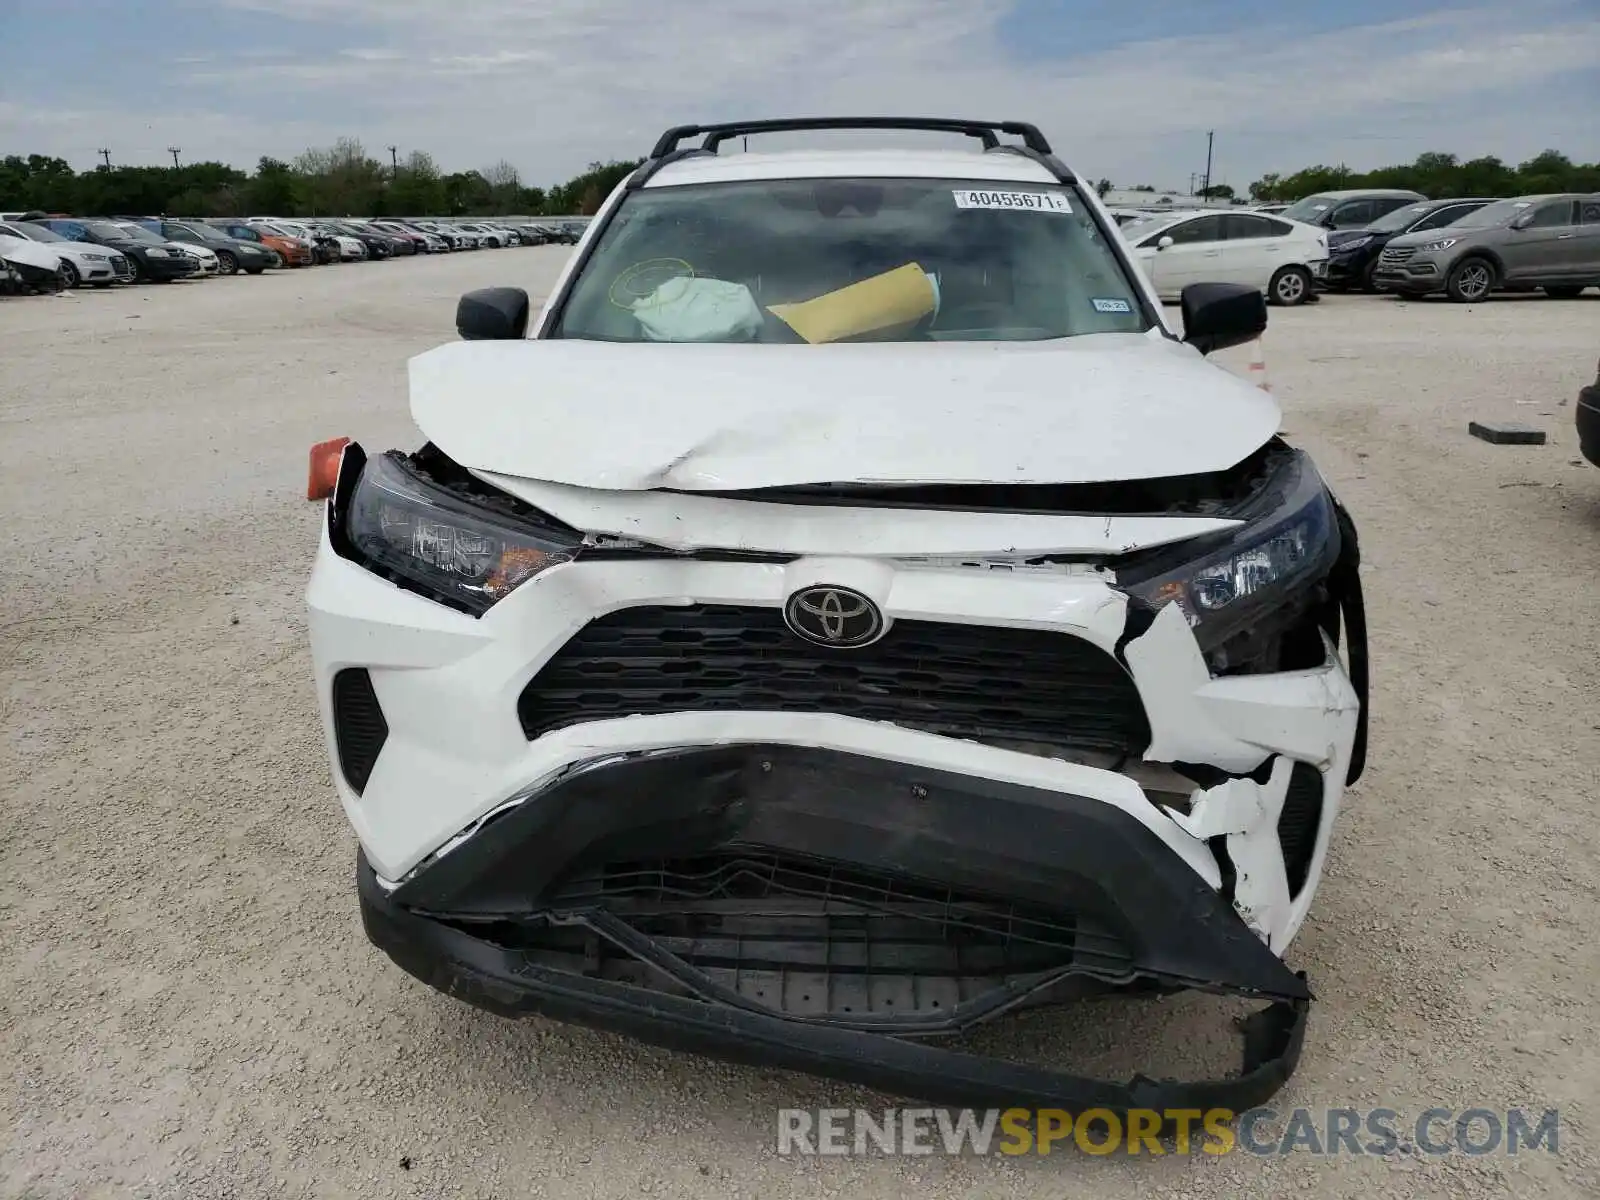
pixel 97 258
pixel 157 252
pixel 1441 244
pixel 1353 243
pixel 460 552
pixel 1253 580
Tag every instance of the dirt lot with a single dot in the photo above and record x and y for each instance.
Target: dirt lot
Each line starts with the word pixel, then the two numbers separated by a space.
pixel 188 1007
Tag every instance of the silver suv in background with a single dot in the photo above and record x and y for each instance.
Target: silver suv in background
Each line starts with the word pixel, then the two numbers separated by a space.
pixel 1352 208
pixel 1550 242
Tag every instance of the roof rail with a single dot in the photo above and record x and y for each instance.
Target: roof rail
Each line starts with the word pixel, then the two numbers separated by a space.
pixel 984 131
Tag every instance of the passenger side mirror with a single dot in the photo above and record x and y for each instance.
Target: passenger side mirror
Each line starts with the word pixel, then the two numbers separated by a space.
pixel 1164 242
pixel 493 314
pixel 1219 315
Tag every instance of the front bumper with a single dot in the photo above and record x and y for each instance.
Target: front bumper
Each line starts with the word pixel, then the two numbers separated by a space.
pixel 175 267
pixel 733 962
pixel 1416 274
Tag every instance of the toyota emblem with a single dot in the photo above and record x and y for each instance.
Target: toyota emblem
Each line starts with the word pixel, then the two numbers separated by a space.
pixel 834 616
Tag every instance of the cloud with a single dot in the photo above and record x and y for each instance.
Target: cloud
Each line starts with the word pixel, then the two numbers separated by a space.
pixel 554 85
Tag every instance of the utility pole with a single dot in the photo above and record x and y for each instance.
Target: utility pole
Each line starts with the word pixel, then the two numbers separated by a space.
pixel 394 158
pixel 1210 138
pixel 105 154
pixel 1192 177
pixel 173 150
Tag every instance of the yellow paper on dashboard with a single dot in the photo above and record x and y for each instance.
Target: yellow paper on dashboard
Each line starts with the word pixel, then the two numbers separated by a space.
pixel 897 298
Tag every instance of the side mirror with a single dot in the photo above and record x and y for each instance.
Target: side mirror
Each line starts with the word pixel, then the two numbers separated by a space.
pixel 493 314
pixel 1522 222
pixel 1164 242
pixel 1219 315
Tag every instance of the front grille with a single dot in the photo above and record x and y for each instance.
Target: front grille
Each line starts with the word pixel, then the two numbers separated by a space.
pixel 966 681
pixel 1298 823
pixel 359 730
pixel 812 937
pixel 120 267
pixel 1394 256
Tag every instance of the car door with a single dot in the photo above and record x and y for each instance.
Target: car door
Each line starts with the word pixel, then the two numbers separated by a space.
pixel 1589 239
pixel 1257 246
pixel 1543 245
pixel 1195 255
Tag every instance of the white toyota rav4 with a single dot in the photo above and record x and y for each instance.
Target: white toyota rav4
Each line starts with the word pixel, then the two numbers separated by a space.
pixel 850 616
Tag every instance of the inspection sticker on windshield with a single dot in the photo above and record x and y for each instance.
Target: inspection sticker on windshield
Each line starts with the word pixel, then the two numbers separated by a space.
pixel 1101 305
pixel 1025 201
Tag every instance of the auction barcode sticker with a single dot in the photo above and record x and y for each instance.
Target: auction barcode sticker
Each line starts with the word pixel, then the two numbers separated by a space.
pixel 1023 201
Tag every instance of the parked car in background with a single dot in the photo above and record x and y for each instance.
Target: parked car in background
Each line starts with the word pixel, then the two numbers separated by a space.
pixel 1268 209
pixel 295 252
pixel 1283 258
pixel 423 241
pixel 351 248
pixel 1353 253
pixel 1550 242
pixel 460 239
pixel 97 266
pixel 378 243
pixel 324 245
pixel 205 259
pixel 486 235
pixel 233 254
pixel 1351 208
pixel 149 257
pixel 32 266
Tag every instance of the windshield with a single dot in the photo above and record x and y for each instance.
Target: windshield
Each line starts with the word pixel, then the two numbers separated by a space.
pixel 37 232
pixel 1308 209
pixel 825 260
pixel 1401 218
pixel 269 230
pixel 205 233
pixel 1139 226
pixel 106 229
pixel 1501 212
pixel 140 234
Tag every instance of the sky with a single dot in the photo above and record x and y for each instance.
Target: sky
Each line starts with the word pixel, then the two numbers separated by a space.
pixel 1126 91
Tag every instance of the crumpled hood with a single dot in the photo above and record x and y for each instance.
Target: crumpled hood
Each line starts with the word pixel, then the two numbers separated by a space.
pixel 28 252
pixel 636 416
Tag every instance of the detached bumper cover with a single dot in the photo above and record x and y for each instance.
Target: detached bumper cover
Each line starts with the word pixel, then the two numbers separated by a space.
pixel 949 901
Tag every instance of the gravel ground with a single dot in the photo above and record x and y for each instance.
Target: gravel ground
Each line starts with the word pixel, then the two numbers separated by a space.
pixel 188 1007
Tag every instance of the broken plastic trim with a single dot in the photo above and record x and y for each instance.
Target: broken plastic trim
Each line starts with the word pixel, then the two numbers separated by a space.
pixel 488 977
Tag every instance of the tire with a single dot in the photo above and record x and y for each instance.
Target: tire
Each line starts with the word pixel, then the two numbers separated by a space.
pixel 135 272
pixel 1565 292
pixel 1290 286
pixel 254 270
pixel 69 275
pixel 227 264
pixel 102 284
pixel 1471 280
pixel 1369 285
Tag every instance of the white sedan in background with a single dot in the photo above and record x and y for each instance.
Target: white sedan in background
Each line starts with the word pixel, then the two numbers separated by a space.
pixel 96 265
pixel 1282 258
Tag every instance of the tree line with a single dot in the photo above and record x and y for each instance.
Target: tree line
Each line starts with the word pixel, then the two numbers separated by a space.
pixel 344 180
pixel 1436 175
pixel 337 180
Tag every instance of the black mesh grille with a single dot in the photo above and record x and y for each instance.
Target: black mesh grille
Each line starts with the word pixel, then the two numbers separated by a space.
pixel 1298 823
pixel 359 729
pixel 814 937
pixel 969 681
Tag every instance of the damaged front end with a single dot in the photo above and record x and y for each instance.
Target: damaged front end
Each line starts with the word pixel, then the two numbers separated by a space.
pixel 625 788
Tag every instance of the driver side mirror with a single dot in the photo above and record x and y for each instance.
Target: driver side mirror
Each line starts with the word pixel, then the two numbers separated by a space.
pixel 1164 242
pixel 1523 221
pixel 1219 315
pixel 493 314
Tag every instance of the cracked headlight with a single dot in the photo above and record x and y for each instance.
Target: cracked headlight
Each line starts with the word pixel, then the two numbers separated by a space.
pixel 1441 244
pixel 466 551
pixel 1260 577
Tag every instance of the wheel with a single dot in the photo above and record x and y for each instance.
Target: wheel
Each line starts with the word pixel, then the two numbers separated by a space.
pixel 69 275
pixel 1470 280
pixel 1565 292
pixel 1290 286
pixel 1369 285
pixel 227 264
pixel 135 271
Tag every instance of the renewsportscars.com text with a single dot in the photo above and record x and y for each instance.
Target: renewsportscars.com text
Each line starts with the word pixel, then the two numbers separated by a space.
pixel 1258 1131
